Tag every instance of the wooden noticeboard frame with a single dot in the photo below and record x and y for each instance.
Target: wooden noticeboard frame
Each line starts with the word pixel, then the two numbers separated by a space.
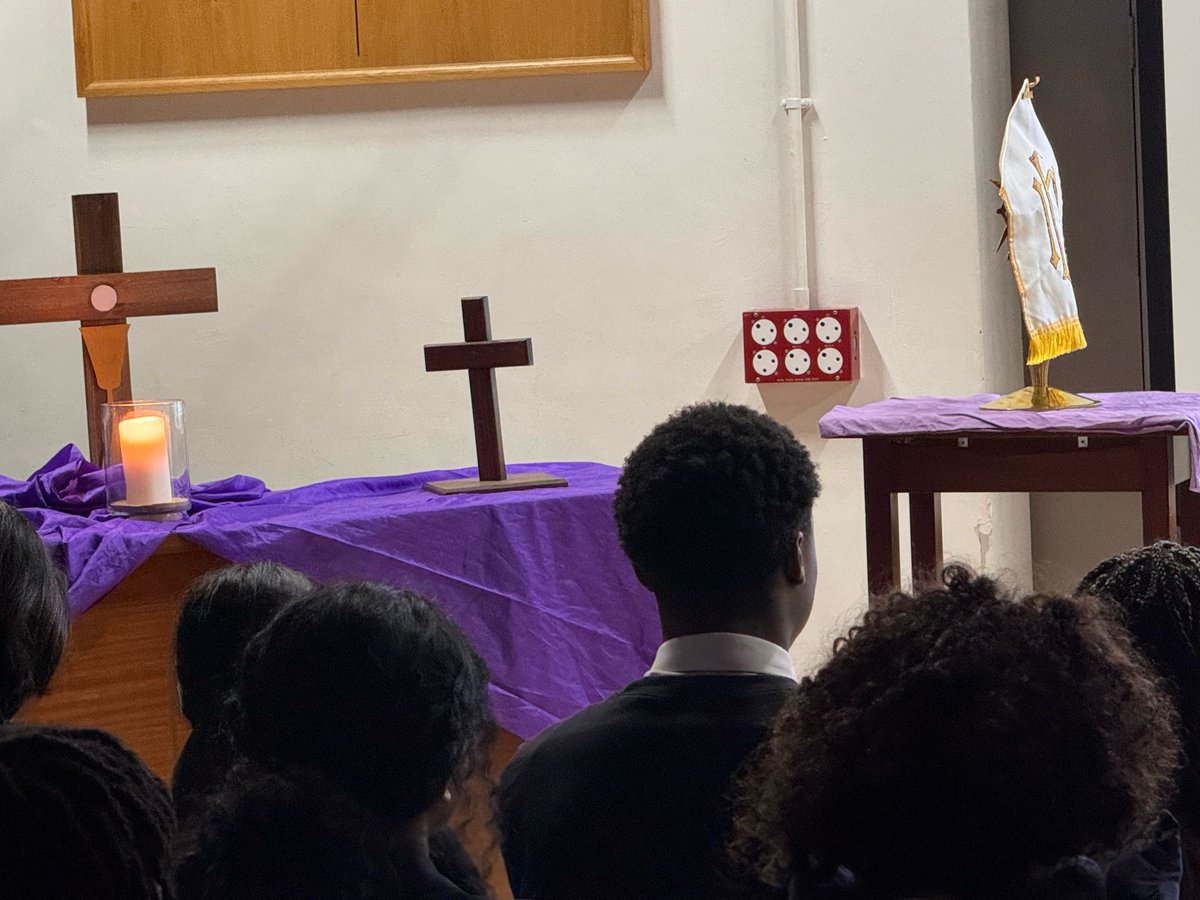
pixel 188 46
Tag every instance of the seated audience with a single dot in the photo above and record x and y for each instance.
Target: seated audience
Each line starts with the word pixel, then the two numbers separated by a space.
pixel 220 613
pixel 1156 593
pixel 81 817
pixel 961 743
pixel 34 621
pixel 628 799
pixel 361 711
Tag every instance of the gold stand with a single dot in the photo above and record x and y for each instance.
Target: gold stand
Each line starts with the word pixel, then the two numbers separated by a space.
pixel 1040 397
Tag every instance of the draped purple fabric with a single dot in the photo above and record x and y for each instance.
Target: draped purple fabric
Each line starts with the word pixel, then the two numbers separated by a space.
pixel 1133 412
pixel 536 578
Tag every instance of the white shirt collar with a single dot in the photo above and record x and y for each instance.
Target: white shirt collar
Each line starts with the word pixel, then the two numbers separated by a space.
pixel 722 651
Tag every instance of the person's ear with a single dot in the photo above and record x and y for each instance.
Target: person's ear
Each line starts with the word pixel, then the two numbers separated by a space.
pixel 438 815
pixel 794 564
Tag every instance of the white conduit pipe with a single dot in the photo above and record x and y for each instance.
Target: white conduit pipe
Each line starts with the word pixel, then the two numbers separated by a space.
pixel 795 104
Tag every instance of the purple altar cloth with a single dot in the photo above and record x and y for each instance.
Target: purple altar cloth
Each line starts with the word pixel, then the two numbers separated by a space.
pixel 536 578
pixel 1134 412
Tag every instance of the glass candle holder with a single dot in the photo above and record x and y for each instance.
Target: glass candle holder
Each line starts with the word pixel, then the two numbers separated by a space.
pixel 145 459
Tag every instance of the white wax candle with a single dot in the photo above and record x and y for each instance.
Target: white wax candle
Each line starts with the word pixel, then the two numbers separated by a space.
pixel 145 460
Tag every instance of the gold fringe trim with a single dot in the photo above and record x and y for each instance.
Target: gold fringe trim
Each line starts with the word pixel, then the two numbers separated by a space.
pixel 1049 341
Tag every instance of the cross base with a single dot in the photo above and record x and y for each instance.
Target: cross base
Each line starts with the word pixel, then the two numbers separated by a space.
pixel 521 482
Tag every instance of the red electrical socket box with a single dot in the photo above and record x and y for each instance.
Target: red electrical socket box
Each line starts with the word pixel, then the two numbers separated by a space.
pixel 783 345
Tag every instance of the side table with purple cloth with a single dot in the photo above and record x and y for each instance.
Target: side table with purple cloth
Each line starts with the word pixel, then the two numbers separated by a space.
pixel 536 578
pixel 926 446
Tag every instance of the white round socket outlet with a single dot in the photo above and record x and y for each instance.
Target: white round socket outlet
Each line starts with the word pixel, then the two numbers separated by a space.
pixel 797 362
pixel 795 331
pixel 829 361
pixel 764 332
pixel 828 329
pixel 765 363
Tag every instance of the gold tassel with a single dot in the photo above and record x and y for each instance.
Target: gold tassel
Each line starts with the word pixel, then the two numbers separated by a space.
pixel 1049 341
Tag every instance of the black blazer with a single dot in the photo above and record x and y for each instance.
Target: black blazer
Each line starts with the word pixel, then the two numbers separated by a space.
pixel 630 798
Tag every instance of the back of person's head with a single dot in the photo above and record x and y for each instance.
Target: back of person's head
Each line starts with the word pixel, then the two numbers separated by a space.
pixel 1156 592
pixel 221 612
pixel 375 688
pixel 34 621
pixel 279 837
pixel 958 740
pixel 80 816
pixel 711 503
pixel 357 707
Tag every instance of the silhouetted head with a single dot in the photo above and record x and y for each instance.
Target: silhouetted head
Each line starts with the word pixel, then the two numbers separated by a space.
pixel 372 686
pixel 957 740
pixel 714 510
pixel 34 621
pixel 358 707
pixel 1156 593
pixel 221 612
pixel 81 816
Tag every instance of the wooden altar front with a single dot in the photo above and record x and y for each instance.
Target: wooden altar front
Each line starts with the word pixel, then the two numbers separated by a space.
pixel 118 674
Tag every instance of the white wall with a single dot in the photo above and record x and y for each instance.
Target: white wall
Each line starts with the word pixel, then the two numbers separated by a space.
pixel 1181 32
pixel 910 109
pixel 623 224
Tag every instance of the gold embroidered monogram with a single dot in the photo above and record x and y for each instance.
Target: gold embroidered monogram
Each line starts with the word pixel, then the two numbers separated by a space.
pixel 1046 184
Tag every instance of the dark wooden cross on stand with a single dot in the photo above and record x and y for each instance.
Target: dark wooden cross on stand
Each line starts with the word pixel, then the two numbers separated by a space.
pixel 481 356
pixel 101 297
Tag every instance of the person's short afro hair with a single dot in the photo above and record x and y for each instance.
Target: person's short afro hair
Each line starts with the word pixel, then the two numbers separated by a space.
pixel 711 500
pixel 958 740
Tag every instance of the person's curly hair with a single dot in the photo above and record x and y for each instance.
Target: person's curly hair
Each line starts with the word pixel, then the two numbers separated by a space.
pixel 710 501
pixel 278 837
pixel 354 709
pixel 1156 592
pixel 957 740
pixel 34 621
pixel 374 687
pixel 81 816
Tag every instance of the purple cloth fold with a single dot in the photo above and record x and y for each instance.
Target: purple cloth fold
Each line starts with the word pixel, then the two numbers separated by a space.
pixel 536 578
pixel 1134 412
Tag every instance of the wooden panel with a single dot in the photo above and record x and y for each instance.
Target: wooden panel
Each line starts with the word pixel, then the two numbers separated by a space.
pixel 123 40
pixel 448 32
pixel 68 298
pixel 119 670
pixel 124 47
pixel 1030 462
pixel 474 819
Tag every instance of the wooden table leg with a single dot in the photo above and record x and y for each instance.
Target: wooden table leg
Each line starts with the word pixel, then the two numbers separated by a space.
pixel 1187 514
pixel 1158 489
pixel 883 527
pixel 925 527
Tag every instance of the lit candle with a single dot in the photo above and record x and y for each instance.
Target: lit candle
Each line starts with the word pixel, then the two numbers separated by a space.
pixel 145 460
